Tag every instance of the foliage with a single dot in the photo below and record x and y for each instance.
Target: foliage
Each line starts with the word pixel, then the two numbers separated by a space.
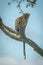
pixel 29 3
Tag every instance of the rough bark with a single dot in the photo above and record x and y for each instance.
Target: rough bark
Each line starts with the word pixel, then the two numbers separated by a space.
pixel 12 34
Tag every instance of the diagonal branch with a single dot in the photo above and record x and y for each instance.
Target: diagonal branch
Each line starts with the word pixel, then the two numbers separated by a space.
pixel 12 34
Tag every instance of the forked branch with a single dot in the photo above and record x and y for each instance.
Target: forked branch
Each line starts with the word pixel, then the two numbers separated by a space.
pixel 12 34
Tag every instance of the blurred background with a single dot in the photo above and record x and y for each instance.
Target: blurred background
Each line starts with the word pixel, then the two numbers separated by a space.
pixel 11 51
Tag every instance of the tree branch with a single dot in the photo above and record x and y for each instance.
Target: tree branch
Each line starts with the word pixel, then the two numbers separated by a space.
pixel 12 34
